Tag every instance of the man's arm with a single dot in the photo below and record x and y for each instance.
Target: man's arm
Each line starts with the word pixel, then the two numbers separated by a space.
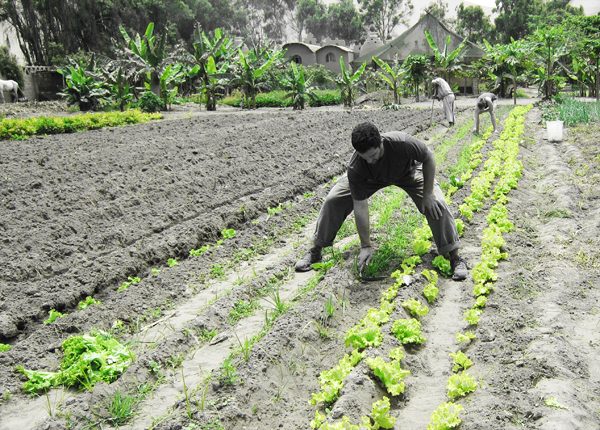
pixel 431 205
pixel 361 216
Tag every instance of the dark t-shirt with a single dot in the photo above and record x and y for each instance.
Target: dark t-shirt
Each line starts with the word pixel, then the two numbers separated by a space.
pixel 402 153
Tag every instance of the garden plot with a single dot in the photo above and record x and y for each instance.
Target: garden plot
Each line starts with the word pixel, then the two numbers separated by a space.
pixel 534 347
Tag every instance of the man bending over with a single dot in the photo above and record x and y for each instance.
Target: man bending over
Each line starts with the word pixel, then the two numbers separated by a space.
pixel 393 158
pixel 485 103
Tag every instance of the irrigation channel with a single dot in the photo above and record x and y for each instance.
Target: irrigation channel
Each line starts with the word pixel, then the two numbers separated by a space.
pixel 185 232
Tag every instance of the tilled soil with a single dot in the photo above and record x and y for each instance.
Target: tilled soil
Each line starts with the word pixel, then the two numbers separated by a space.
pixel 83 213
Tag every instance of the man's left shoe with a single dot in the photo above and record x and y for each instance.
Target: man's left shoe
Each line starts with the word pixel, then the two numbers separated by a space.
pixel 460 271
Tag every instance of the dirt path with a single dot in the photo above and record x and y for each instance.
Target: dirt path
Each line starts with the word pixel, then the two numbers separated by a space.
pixel 82 213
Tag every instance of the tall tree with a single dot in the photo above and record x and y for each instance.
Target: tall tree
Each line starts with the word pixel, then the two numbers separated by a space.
pixel 386 15
pixel 439 9
pixel 472 22
pixel 344 21
pixel 513 17
pixel 313 16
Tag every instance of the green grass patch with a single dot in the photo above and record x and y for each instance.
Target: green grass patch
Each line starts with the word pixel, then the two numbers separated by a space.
pixel 278 99
pixel 24 128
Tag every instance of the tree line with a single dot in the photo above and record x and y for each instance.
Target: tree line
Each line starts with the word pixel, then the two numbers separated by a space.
pixel 49 31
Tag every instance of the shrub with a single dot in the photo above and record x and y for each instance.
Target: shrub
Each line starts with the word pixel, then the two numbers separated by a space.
pixel 150 102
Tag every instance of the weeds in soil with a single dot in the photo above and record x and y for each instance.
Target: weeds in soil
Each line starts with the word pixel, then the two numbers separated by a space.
pixel 228 372
pixel 51 407
pixel 175 360
pixel 242 309
pixel 245 347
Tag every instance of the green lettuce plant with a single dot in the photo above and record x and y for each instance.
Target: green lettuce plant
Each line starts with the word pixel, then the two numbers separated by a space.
pixel 332 381
pixel 430 291
pixel 408 331
pixel 88 301
pixel 415 307
pixel 391 374
pixel 87 360
pixel 461 361
pixel 53 315
pixel 445 417
pixel 460 384
pixel 442 265
pixel 381 415
pixel 467 337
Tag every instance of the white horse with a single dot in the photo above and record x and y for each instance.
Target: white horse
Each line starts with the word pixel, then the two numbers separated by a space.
pixel 13 87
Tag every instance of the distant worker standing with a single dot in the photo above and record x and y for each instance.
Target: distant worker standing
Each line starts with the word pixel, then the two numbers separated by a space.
pixel 485 103
pixel 443 92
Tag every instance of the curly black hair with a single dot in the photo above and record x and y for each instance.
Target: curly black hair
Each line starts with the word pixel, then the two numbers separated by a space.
pixel 365 136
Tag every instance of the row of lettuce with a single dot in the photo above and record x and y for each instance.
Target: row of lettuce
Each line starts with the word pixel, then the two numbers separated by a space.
pixel 501 165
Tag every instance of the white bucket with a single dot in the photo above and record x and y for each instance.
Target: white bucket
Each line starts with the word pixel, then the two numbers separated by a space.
pixel 555 130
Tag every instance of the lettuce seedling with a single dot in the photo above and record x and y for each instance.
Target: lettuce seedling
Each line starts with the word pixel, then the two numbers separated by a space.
pixel 54 314
pixel 4 347
pixel 461 361
pixel 318 421
pixel 88 301
pixel 482 288
pixel 445 417
pixel 480 302
pixel 332 381
pixel 126 284
pixel 430 291
pixel 415 307
pixel 442 265
pixel 460 226
pixel 460 384
pixel 381 415
pixel 363 335
pixel 467 337
pixel 391 374
pixel 408 331
pixel 472 316
pixel 421 246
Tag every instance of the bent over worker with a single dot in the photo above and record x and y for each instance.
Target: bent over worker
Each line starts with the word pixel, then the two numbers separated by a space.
pixel 443 92
pixel 381 160
pixel 485 103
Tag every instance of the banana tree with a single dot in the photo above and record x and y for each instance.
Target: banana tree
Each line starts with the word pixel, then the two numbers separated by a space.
pixel 212 56
pixel 415 69
pixel 509 61
pixel 392 75
pixel 347 82
pixel 118 82
pixel 445 60
pixel 299 87
pixel 249 69
pixel 84 88
pixel 172 75
pixel 146 54
pixel 592 48
pixel 549 45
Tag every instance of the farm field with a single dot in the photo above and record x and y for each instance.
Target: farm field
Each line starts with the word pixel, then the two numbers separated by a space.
pixel 231 337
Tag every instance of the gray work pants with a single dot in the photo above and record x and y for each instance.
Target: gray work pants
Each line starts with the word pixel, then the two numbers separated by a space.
pixel 448 103
pixel 339 204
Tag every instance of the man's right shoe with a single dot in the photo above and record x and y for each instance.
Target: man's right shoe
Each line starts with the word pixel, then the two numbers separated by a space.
pixel 312 256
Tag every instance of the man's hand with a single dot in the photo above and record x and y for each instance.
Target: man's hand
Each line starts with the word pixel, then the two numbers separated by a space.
pixel 364 258
pixel 432 206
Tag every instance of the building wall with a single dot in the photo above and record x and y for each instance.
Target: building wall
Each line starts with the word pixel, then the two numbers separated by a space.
pixel 309 58
pixel 334 66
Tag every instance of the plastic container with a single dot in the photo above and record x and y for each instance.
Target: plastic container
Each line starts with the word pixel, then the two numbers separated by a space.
pixel 555 130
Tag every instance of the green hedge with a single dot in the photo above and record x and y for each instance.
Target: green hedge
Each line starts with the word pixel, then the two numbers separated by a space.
pixel 23 128
pixel 277 99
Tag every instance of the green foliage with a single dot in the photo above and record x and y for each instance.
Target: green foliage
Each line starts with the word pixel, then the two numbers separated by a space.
pixel 415 307
pixel 54 314
pixel 461 361
pixel 415 69
pixel 89 300
pixel 23 128
pixel 381 415
pixel 442 265
pixel 460 384
pixel 421 246
pixel 467 337
pixel 332 381
pixel 277 99
pixel 83 86
pixel 391 374
pixel 445 60
pixel 9 67
pixel 4 347
pixel 150 102
pixel 87 359
pixel 347 82
pixel 408 331
pixel 248 70
pixel 126 284
pixel 117 81
pixel 228 372
pixel 298 87
pixel 472 316
pixel 241 309
pixel 445 417
pixel 430 291
pixel 393 76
